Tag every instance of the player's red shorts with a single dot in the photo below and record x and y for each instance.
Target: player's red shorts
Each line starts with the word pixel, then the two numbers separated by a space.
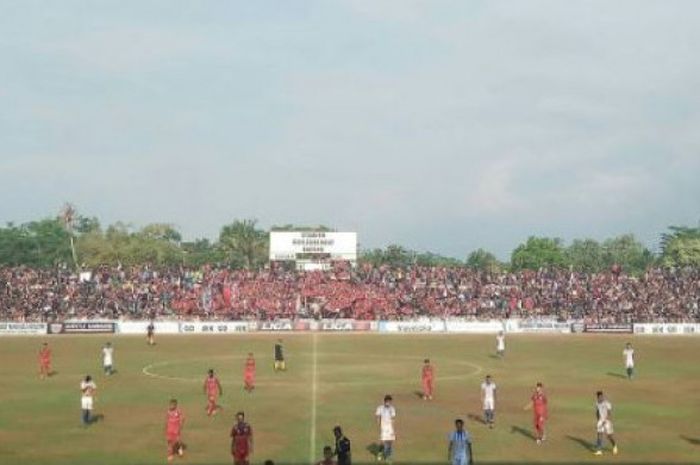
pixel 539 421
pixel 249 377
pixel 240 456
pixel 428 385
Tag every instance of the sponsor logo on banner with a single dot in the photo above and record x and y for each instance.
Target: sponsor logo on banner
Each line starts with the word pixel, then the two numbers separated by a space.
pixel 670 329
pixel 362 325
pixel 22 328
pixel 86 327
pixel 337 325
pixel 607 328
pixel 278 325
pixel 457 326
pixel 214 327
pixel 426 326
pixel 543 326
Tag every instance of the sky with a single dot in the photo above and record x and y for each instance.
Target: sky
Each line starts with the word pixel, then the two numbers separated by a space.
pixel 438 125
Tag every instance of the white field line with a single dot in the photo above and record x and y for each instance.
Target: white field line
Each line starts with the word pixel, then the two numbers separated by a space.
pixel 314 390
pixel 148 370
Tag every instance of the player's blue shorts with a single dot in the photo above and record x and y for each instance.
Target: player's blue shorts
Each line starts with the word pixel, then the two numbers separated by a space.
pixel 460 460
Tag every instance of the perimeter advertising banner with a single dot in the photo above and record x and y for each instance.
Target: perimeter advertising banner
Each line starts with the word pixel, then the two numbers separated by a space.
pixel 214 327
pixel 668 329
pixel 416 326
pixel 8 327
pixel 82 327
pixel 621 328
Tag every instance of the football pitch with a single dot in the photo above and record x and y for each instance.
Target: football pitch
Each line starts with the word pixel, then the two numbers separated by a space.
pixel 341 379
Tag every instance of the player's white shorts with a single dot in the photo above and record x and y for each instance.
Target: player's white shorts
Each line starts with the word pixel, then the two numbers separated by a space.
pixel 107 362
pixel 387 434
pixel 489 404
pixel 629 365
pixel 86 403
pixel 460 460
pixel 605 426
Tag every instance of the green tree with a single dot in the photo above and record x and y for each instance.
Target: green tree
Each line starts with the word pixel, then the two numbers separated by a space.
pixel 67 217
pixel 538 252
pixel 202 252
pixel 585 255
pixel 483 260
pixel 627 252
pixel 244 244
pixel 680 246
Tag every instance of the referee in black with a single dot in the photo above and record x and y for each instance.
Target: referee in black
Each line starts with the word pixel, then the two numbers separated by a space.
pixel 280 364
pixel 342 447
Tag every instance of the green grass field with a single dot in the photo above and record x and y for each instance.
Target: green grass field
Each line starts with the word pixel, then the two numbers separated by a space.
pixel 655 416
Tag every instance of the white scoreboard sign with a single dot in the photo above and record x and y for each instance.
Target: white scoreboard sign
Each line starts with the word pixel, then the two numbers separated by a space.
pixel 304 245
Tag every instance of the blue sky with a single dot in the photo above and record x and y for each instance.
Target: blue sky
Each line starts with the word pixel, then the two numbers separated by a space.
pixel 439 125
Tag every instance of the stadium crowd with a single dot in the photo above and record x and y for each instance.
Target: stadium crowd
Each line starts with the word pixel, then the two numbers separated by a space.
pixel 366 292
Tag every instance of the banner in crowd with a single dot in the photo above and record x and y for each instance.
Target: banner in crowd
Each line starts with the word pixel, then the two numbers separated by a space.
pixel 607 328
pixel 667 328
pixel 337 325
pixel 415 326
pixel 140 327
pixel 8 327
pixel 82 327
pixel 214 327
pixel 542 326
pixel 460 326
pixel 284 325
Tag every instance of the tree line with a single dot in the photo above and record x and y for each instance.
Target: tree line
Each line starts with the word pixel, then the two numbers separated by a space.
pixel 77 241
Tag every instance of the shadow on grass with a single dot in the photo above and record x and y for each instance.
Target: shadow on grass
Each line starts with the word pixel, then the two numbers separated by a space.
pixel 494 356
pixel 693 441
pixel 589 446
pixel 418 394
pixel 476 418
pixel 616 375
pixel 522 431
pixel 374 449
pixel 96 418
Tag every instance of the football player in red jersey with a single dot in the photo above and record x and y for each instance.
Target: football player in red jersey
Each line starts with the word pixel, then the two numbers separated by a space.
pixel 249 373
pixel 212 388
pixel 174 422
pixel 427 378
pixel 44 361
pixel 538 403
pixel 241 440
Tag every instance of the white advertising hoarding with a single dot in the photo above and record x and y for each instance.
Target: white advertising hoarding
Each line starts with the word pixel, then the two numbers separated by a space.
pixel 299 245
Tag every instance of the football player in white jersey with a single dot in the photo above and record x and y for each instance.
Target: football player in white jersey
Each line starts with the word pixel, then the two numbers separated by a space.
pixel 488 400
pixel 108 358
pixel 628 354
pixel 604 425
pixel 385 415
pixel 87 394
pixel 500 344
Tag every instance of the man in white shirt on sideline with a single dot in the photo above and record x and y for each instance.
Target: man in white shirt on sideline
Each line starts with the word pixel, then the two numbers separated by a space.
pixel 488 400
pixel 385 415
pixel 108 358
pixel 501 344
pixel 87 391
pixel 628 353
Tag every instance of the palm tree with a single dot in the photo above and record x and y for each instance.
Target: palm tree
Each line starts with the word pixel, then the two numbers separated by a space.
pixel 67 217
pixel 244 242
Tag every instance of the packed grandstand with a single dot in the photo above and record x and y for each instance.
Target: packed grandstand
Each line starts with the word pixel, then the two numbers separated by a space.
pixel 363 293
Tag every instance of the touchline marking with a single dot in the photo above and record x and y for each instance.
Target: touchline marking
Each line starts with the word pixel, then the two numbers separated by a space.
pixel 314 388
